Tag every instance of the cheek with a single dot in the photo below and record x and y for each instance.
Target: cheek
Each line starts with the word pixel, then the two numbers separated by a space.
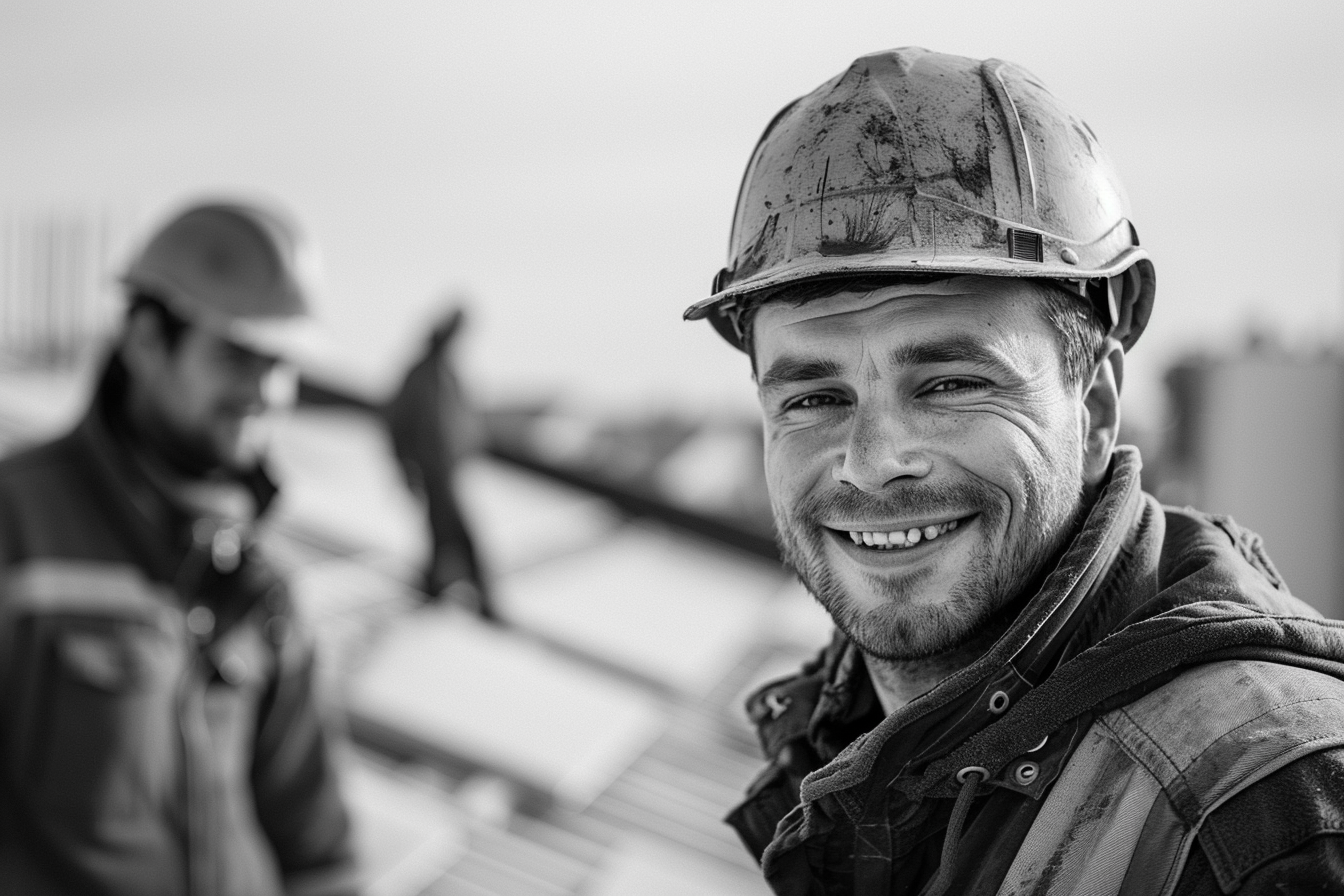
pixel 190 389
pixel 1012 461
pixel 794 460
pixel 1035 437
pixel 179 403
pixel 198 403
pixel 777 480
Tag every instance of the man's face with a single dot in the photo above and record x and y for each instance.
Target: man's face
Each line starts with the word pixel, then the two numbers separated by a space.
pixel 924 457
pixel 205 403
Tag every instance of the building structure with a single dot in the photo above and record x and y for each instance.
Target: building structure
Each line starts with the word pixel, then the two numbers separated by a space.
pixel 1259 436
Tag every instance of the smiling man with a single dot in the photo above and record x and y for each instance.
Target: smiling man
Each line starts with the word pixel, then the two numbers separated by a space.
pixel 1041 680
pixel 159 732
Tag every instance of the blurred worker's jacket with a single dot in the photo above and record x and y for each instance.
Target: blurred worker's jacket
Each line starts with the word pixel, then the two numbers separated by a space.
pixel 158 727
pixel 1162 716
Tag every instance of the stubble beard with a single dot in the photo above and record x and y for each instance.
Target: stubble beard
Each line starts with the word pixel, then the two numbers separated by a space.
pixel 895 630
pixel 206 447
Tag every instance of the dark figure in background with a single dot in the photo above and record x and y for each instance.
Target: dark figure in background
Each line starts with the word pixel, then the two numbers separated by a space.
pixel 1041 680
pixel 159 733
pixel 433 428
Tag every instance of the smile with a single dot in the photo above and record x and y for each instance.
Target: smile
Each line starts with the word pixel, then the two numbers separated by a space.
pixel 902 539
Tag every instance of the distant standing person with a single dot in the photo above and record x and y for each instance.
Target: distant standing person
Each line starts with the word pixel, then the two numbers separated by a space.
pixel 433 427
pixel 159 733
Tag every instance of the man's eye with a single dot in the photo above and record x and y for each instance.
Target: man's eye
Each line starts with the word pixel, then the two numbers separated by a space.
pixel 955 384
pixel 811 401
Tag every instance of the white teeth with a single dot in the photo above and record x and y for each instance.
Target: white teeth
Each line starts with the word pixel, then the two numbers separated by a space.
pixel 906 538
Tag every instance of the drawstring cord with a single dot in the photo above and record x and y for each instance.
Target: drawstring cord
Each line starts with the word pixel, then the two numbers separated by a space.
pixel 969 778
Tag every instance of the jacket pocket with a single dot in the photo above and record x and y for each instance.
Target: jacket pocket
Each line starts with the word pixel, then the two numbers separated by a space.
pixel 106 720
pixel 106 663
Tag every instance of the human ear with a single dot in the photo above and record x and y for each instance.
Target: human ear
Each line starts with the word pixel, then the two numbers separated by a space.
pixel 1101 403
pixel 142 344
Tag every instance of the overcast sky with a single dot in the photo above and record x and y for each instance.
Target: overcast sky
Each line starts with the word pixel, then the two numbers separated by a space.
pixel 572 166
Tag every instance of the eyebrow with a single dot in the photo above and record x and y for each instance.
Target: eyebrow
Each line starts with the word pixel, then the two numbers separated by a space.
pixel 946 351
pixel 791 369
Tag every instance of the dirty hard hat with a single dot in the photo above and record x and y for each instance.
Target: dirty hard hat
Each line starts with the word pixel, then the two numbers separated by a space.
pixel 236 269
pixel 918 163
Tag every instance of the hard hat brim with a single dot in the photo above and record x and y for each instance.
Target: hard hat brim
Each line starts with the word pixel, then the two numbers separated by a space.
pixel 917 263
pixel 294 339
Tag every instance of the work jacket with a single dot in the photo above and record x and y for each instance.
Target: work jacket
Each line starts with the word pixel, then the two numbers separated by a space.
pixel 158 729
pixel 1161 717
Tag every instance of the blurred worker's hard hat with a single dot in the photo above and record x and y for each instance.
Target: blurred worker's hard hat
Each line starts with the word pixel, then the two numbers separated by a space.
pixel 912 162
pixel 239 269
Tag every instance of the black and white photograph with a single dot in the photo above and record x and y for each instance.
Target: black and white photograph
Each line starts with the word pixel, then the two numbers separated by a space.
pixel 461 448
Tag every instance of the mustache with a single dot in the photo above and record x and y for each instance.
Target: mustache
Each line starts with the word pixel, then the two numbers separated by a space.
pixel 900 498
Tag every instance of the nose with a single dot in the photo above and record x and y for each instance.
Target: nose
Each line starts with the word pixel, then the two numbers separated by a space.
pixel 280 386
pixel 881 448
pixel 262 383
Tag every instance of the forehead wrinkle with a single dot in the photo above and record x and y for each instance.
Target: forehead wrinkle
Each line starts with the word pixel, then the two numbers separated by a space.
pixel 869 369
pixel 948 349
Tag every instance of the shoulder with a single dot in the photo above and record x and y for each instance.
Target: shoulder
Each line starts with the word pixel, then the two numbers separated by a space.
pixel 1206 718
pixel 38 487
pixel 1248 759
pixel 1290 820
pixel 1219 729
pixel 1194 528
pixel 784 709
pixel 1214 557
pixel 46 459
pixel 44 479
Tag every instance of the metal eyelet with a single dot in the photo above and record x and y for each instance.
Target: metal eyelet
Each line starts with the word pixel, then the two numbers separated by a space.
pixel 201 621
pixel 226 550
pixel 1025 773
pixel 998 702
pixel 233 669
pixel 972 770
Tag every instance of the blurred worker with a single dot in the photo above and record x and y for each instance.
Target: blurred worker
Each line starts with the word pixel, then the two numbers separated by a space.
pixel 158 727
pixel 1041 681
pixel 433 428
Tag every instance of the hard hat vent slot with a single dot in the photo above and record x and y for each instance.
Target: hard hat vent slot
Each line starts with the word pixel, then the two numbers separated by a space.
pixel 1025 245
